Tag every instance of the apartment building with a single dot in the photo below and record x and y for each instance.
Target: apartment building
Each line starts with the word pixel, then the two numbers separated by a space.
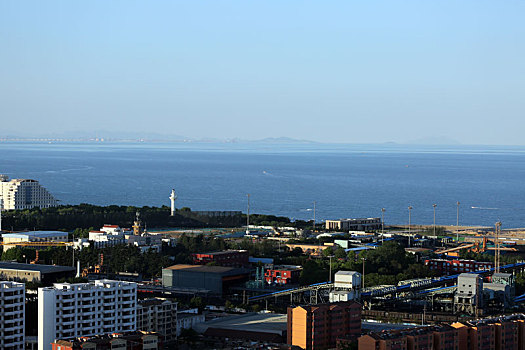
pixel 68 311
pixel 319 326
pixel 439 337
pixel 24 194
pixel 499 333
pixel 158 315
pixel 12 315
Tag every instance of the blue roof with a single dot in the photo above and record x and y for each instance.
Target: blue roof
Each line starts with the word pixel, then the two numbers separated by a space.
pixel 357 249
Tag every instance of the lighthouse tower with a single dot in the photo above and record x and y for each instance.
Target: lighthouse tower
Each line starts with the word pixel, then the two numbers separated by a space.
pixel 173 197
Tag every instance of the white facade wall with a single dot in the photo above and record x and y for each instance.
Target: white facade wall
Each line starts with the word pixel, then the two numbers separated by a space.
pixel 24 194
pixel 68 311
pixel 12 315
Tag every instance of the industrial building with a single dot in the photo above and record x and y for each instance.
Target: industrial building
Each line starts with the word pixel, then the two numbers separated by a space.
pixel 283 274
pixel 45 274
pixel 455 266
pixel 347 286
pixel 24 194
pixel 12 315
pixel 228 258
pixel 41 238
pixel 469 294
pixel 211 279
pixel 361 224
pixel 68 311
pixel 138 340
pixel 319 326
pixel 251 326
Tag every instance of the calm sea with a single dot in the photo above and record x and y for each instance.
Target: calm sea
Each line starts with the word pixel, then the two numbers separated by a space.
pixel 344 180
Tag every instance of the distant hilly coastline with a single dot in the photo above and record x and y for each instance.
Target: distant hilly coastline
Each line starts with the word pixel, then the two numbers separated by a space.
pixel 139 137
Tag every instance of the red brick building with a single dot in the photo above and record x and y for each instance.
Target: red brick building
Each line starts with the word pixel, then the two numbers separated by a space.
pixel 320 326
pixel 456 266
pixel 228 258
pixel 283 274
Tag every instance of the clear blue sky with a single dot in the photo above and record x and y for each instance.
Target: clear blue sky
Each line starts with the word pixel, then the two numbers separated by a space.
pixel 333 71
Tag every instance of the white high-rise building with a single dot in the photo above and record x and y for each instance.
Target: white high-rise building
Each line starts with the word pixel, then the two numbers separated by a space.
pixel 12 315
pixel 67 311
pixel 24 194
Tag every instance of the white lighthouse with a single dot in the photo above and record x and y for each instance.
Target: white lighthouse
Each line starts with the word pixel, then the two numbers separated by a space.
pixel 173 197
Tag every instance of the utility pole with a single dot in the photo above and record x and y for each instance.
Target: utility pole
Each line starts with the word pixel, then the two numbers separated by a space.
pixel 1 207
pixel 434 206
pixel 457 222
pixel 496 245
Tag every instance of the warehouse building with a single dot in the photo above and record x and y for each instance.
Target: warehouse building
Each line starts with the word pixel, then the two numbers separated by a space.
pixel 13 271
pixel 250 326
pixel 39 238
pixel 214 279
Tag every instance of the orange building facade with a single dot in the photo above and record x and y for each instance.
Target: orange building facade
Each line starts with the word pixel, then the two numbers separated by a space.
pixel 319 326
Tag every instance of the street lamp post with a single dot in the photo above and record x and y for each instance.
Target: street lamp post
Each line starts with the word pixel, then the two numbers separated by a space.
pixel 434 206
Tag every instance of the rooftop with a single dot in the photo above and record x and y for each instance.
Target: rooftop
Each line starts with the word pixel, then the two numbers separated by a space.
pixel 223 252
pixel 253 322
pixel 38 234
pixel 9 265
pixel 201 268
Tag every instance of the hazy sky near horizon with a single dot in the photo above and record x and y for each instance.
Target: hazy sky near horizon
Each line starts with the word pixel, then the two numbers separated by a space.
pixel 332 71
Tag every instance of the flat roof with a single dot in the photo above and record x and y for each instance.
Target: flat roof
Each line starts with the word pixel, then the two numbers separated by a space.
pixel 34 234
pixel 8 265
pixel 252 322
pixel 201 268
pixel 225 252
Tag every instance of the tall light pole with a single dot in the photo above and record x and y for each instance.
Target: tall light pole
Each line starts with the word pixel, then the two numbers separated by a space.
pixel 330 269
pixel 434 206
pixel 409 212
pixel 382 225
pixel 457 222
pixel 363 279
pixel 248 216
pixel 496 245
pixel 314 218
